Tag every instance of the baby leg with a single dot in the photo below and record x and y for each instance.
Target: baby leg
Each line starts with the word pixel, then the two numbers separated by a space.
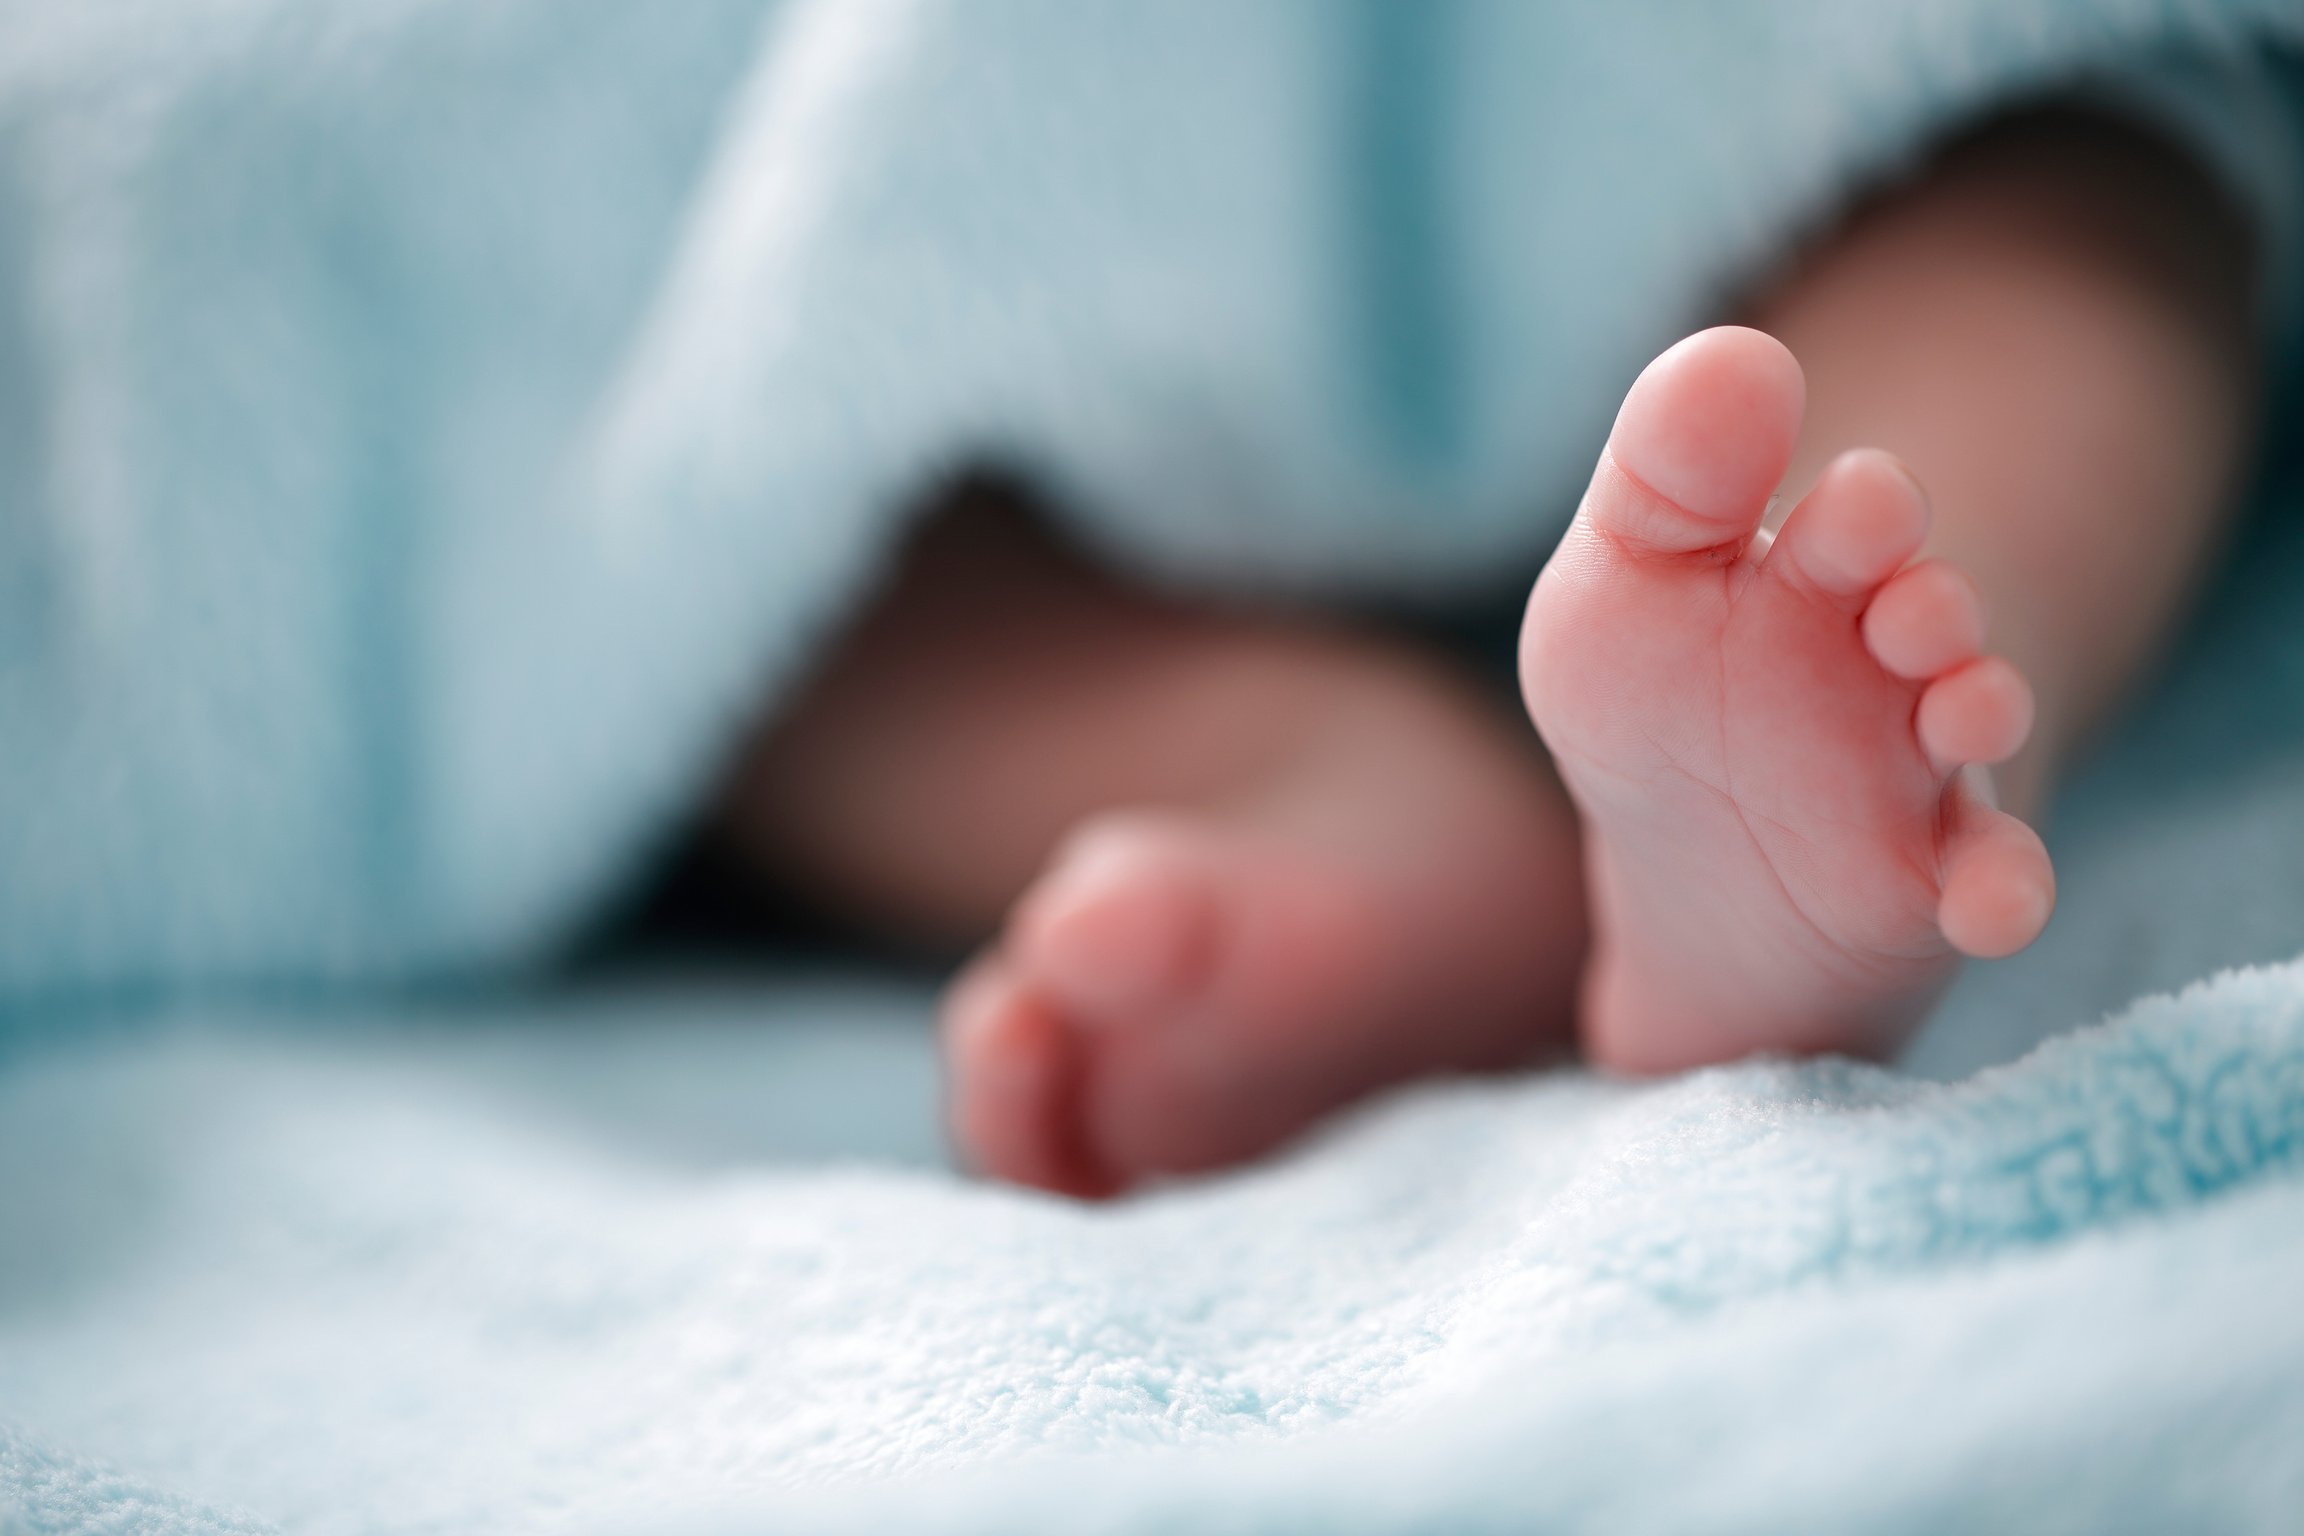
pixel 1228 872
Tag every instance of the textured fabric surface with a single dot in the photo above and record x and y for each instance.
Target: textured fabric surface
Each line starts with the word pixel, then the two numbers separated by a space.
pixel 411 1282
pixel 434 428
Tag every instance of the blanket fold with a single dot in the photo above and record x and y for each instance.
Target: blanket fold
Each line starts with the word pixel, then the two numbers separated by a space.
pixel 435 430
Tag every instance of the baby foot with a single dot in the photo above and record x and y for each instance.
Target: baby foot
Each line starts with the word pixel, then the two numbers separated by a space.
pixel 1182 991
pixel 1766 739
pixel 1157 1006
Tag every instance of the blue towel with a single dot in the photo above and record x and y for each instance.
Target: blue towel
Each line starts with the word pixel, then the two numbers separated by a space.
pixel 556 1272
pixel 431 431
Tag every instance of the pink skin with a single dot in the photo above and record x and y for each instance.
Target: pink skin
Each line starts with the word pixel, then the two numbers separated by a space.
pixel 1231 872
pixel 1162 1003
pixel 1764 741
pixel 1765 738
pixel 1182 991
pixel 1240 871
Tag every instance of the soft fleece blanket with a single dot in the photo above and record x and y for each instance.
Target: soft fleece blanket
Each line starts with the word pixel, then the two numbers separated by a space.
pixel 432 429
pixel 436 428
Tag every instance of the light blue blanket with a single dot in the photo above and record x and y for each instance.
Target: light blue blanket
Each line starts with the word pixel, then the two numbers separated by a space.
pixel 433 429
pixel 584 1268
pixel 430 430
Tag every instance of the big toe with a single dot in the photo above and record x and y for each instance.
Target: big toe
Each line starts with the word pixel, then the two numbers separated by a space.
pixel 1701 443
pixel 1012 1075
pixel 1214 986
pixel 1122 924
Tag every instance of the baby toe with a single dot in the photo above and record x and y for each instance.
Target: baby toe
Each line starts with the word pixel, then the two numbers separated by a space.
pixel 1999 886
pixel 1979 713
pixel 1122 925
pixel 1865 518
pixel 1011 1084
pixel 1925 621
pixel 1702 439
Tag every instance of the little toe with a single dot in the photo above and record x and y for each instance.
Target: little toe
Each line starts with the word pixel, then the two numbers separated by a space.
pixel 1121 927
pixel 1978 713
pixel 1701 442
pixel 1859 525
pixel 1012 1093
pixel 1999 886
pixel 1925 621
